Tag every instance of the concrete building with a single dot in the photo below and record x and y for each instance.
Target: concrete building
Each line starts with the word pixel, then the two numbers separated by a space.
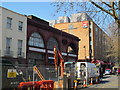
pixel 13 29
pixel 92 38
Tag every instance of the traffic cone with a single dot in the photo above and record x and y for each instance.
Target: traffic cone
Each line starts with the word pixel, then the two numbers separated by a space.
pixel 96 80
pixel 91 81
pixel 84 83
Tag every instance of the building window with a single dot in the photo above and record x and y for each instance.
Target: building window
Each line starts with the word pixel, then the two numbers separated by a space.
pixel 71 48
pixel 96 29
pixel 51 43
pixel 61 21
pixel 90 42
pixel 90 34
pixel 70 27
pixel 36 40
pixel 9 22
pixel 20 25
pixel 8 45
pixel 20 47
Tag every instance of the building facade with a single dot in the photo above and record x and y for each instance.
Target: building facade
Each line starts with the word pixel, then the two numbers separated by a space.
pixel 12 44
pixel 41 39
pixel 13 35
pixel 26 41
pixel 92 43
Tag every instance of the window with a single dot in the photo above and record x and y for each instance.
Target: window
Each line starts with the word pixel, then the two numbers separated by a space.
pixel 36 40
pixel 71 48
pixel 20 25
pixel 70 27
pixel 90 42
pixel 19 47
pixel 90 34
pixel 61 21
pixel 51 43
pixel 96 29
pixel 8 45
pixel 9 22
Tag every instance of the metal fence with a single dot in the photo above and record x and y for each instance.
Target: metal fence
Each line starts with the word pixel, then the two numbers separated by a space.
pixel 25 74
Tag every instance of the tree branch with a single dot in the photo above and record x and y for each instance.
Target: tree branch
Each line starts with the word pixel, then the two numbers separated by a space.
pixel 106 4
pixel 114 16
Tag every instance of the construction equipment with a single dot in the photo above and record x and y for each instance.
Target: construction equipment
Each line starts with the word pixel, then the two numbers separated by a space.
pixel 38 72
pixel 58 61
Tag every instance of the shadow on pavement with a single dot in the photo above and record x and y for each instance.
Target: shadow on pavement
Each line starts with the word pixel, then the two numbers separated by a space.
pixel 103 82
pixel 105 77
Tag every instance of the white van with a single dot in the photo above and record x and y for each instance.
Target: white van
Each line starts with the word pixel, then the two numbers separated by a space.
pixel 86 71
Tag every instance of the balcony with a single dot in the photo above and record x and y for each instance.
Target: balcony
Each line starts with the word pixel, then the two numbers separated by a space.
pixel 8 53
pixel 20 54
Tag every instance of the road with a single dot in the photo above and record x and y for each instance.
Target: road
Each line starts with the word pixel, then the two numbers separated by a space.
pixel 108 81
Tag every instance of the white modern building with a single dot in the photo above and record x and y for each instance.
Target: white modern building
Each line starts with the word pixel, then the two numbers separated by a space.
pixel 13 30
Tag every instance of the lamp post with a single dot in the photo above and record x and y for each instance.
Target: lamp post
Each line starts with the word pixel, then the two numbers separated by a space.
pixel 85 51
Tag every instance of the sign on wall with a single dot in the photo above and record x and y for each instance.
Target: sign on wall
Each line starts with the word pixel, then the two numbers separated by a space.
pixel 11 73
pixel 85 24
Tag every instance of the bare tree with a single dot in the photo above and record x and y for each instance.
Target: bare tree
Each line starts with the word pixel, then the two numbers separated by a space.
pixel 101 12
pixel 113 43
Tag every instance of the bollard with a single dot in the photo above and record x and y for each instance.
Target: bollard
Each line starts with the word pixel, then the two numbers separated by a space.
pixel 91 81
pixel 84 83
pixel 96 80
pixel 75 86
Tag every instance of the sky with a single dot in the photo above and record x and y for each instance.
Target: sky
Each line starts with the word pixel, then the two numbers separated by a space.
pixel 43 10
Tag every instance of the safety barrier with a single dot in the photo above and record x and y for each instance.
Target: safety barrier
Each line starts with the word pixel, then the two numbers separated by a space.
pixel 37 85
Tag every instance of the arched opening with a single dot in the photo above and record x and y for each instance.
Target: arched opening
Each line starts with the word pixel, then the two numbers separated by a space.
pixel 51 43
pixel 71 48
pixel 36 40
pixel 36 58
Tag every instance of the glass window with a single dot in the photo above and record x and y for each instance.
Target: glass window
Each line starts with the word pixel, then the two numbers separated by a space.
pixel 70 27
pixel 9 22
pixel 71 48
pixel 90 42
pixel 36 40
pixel 51 43
pixel 96 29
pixel 20 25
pixel 61 21
pixel 8 45
pixel 20 47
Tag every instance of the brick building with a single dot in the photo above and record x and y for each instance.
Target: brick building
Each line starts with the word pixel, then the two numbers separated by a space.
pixel 93 39
pixel 41 39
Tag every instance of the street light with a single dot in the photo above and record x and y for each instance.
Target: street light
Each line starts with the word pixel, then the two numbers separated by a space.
pixel 85 51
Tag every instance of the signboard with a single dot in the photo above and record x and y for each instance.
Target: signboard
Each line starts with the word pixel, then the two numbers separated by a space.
pixel 11 73
pixel 85 24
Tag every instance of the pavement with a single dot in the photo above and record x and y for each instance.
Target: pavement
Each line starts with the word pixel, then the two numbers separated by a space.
pixel 110 82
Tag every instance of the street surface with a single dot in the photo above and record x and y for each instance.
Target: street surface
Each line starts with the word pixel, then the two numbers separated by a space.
pixel 108 81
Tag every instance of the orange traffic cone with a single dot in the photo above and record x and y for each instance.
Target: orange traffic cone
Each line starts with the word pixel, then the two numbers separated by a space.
pixel 91 81
pixel 84 83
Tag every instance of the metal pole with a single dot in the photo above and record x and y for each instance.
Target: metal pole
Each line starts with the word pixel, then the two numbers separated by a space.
pixel 33 77
pixel 86 75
